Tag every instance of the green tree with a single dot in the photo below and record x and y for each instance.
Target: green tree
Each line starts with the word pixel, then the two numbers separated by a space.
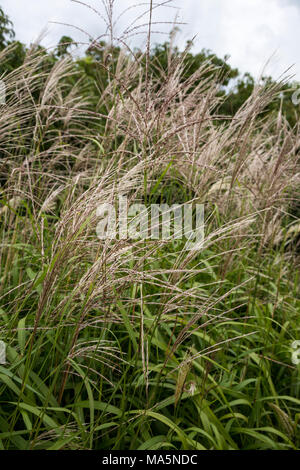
pixel 17 52
pixel 7 33
pixel 63 46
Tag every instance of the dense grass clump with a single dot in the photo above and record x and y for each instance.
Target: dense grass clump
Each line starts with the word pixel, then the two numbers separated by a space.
pixel 134 344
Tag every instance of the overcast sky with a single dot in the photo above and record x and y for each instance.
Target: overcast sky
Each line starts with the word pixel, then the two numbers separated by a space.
pixel 250 31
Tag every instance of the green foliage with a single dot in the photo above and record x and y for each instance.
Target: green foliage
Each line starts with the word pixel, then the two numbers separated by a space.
pixel 63 46
pixel 17 50
pixel 7 33
pixel 193 62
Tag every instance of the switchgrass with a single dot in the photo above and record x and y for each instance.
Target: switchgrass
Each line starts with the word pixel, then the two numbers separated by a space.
pixel 134 344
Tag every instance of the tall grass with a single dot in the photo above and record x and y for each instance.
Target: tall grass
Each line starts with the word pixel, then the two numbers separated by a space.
pixel 133 344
